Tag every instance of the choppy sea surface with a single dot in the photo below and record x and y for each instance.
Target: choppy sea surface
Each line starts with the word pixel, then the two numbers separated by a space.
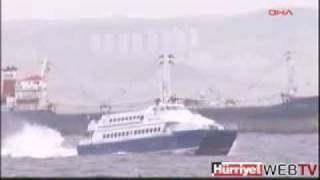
pixel 44 153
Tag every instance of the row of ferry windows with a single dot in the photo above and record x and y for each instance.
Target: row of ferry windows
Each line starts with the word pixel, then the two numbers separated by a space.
pixel 129 133
pixel 125 118
pixel 163 108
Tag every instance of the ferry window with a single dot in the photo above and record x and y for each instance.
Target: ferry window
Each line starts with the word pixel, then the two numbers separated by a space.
pixel 158 128
pixel 123 133
pixel 141 117
pixel 147 130
pixel 151 130
pixel 135 131
pixel 155 129
pixel 127 133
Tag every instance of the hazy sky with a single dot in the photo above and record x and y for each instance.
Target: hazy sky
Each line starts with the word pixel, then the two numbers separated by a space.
pixel 73 9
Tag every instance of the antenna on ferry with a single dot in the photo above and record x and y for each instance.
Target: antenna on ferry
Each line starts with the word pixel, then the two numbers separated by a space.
pixel 291 89
pixel 165 62
pixel 45 68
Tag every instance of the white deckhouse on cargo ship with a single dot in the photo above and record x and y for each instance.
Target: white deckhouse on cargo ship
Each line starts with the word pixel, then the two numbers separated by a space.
pixel 164 126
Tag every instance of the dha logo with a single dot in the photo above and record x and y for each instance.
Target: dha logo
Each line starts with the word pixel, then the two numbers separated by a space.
pixel 255 169
pixel 278 12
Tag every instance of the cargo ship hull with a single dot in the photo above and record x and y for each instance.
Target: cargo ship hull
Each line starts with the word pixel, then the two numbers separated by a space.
pixel 298 115
pixel 66 124
pixel 302 112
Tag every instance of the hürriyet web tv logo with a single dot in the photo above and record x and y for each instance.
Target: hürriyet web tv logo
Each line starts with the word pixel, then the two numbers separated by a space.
pixel 259 169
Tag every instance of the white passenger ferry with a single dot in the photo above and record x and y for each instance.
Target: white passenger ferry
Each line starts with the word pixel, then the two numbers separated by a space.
pixel 164 126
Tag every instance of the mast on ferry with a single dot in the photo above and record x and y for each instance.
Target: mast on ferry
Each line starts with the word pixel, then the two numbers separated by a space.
pixel 165 63
pixel 291 89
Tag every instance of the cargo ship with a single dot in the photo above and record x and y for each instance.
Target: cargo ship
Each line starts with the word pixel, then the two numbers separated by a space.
pixel 25 100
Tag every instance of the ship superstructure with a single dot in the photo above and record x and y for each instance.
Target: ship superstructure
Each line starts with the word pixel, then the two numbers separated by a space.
pixel 29 93
pixel 26 100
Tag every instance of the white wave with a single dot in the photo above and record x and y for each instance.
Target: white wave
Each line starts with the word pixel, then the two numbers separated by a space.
pixel 37 142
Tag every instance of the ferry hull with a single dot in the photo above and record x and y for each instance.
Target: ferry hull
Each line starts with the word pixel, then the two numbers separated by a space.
pixel 213 142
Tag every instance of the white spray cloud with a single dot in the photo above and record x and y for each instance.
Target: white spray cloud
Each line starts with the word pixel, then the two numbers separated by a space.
pixel 37 142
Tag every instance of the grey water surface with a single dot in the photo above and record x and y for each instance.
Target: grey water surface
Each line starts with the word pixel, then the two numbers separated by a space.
pixel 249 147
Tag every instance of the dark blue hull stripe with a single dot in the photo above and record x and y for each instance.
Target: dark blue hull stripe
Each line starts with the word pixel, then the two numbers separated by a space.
pixel 179 140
